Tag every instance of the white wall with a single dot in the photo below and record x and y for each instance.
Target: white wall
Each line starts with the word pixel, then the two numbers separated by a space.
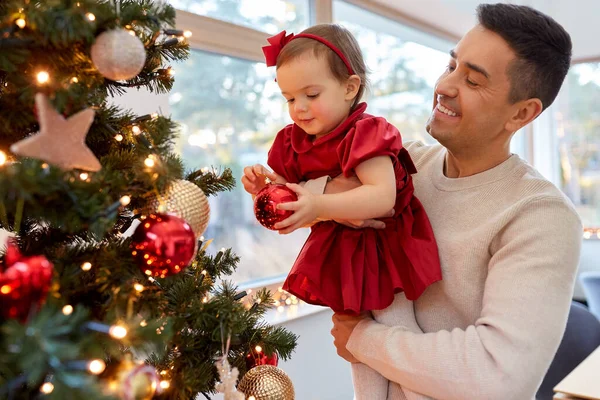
pixel 315 369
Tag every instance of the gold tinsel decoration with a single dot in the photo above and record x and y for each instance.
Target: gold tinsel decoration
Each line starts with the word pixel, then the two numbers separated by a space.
pixel 187 201
pixel 267 382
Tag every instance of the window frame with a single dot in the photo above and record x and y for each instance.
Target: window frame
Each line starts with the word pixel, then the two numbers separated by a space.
pixel 229 39
pixel 542 145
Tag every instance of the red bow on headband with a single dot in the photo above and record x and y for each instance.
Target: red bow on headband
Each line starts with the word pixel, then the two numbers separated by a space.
pixel 281 39
pixel 274 48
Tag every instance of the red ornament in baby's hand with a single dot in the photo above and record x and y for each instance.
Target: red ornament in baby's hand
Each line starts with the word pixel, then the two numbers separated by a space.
pixel 266 201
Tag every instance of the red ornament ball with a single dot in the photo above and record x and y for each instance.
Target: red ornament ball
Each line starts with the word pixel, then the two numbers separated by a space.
pixel 24 283
pixel 255 358
pixel 163 245
pixel 266 201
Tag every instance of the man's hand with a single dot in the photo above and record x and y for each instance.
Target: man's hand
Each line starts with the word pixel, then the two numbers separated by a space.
pixel 343 326
pixel 342 184
pixel 366 223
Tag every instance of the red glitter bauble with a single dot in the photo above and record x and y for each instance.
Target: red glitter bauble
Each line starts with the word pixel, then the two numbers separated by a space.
pixel 266 201
pixel 163 245
pixel 24 283
pixel 255 358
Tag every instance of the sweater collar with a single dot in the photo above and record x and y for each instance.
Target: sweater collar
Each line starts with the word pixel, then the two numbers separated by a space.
pixel 491 175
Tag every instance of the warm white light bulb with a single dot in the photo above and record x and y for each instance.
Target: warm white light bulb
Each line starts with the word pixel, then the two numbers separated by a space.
pixel 43 77
pixel 83 176
pixel 21 23
pixel 86 266
pixel 119 137
pixel 96 367
pixel 67 310
pixel 139 287
pixel 149 162
pixel 165 384
pixel 125 200
pixel 117 332
pixel 2 158
pixel 47 388
pixel 90 16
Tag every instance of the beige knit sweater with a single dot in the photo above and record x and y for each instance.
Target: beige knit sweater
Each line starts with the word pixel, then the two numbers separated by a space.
pixel 509 245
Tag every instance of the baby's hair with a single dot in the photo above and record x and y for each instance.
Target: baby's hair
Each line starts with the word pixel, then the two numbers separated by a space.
pixel 341 38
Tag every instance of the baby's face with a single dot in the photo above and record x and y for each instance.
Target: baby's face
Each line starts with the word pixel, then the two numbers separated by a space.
pixel 317 102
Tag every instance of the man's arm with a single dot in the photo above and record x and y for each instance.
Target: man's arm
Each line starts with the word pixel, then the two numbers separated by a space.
pixel 339 184
pixel 507 351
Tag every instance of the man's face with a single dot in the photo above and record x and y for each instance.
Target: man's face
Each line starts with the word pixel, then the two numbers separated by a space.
pixel 471 107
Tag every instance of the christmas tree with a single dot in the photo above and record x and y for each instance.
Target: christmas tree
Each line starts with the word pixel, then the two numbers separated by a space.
pixel 106 288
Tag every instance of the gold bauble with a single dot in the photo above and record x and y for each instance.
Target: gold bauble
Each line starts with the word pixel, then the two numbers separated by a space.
pixel 187 201
pixel 118 55
pixel 267 382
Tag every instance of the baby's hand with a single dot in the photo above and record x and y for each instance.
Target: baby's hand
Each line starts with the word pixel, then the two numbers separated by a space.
pixel 254 178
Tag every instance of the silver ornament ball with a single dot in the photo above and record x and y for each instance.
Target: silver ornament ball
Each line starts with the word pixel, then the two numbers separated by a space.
pixel 118 55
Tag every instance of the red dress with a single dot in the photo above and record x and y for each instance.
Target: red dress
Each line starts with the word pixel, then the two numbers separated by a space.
pixel 353 270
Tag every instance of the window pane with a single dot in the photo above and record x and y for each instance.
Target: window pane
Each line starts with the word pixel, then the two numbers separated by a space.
pixel 403 66
pixel 230 111
pixel 578 129
pixel 271 16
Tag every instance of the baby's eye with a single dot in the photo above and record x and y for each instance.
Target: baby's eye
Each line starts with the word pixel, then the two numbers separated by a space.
pixel 290 100
pixel 313 96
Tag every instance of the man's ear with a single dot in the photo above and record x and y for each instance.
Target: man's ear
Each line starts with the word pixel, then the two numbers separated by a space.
pixel 525 112
pixel 352 87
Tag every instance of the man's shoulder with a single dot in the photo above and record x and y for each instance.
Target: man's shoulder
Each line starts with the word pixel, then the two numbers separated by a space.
pixel 533 188
pixel 421 152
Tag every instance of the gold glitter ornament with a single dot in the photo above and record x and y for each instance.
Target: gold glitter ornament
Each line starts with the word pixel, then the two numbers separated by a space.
pixel 187 201
pixel 118 55
pixel 267 382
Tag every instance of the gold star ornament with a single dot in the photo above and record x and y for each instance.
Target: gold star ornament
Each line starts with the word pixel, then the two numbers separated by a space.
pixel 60 141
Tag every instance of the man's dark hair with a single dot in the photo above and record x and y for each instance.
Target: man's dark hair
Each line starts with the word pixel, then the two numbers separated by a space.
pixel 542 47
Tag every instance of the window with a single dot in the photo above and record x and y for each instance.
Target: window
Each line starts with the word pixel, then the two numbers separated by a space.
pixel 269 16
pixel 403 64
pixel 577 120
pixel 229 107
pixel 229 111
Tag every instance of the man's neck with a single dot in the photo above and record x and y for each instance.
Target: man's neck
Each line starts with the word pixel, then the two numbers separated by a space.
pixel 460 166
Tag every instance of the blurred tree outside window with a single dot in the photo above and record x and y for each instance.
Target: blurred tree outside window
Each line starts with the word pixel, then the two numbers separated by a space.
pixel 578 131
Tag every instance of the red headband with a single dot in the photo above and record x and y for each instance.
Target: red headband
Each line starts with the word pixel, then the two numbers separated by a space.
pixel 278 41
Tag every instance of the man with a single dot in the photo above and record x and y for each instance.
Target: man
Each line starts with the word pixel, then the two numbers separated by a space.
pixel 509 241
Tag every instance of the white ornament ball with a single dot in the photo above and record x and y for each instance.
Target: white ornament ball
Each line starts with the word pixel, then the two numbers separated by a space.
pixel 187 201
pixel 118 55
